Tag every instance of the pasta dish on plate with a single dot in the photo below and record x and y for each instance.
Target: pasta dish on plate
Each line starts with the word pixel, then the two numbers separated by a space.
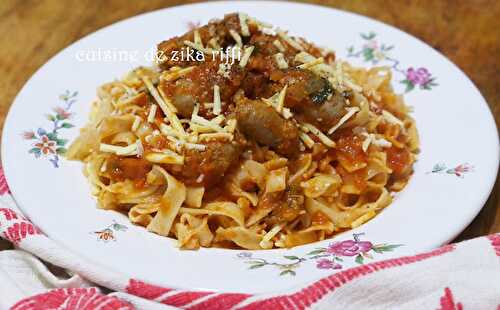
pixel 259 140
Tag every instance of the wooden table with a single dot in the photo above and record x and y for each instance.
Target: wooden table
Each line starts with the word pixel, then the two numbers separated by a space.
pixel 465 31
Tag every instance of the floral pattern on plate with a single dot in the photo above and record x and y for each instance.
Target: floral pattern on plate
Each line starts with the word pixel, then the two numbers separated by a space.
pixel 47 143
pixel 459 171
pixel 108 234
pixel 377 53
pixel 334 256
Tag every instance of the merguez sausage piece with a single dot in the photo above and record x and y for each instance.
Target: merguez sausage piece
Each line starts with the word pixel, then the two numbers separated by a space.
pixel 263 124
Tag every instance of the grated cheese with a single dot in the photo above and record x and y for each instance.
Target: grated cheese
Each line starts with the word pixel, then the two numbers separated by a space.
pixel 169 131
pixel 388 116
pixel 246 56
pixel 128 150
pixel 261 25
pixel 381 142
pixel 281 99
pixel 217 103
pixel 280 61
pixel 277 101
pixel 175 74
pixel 179 144
pixel 293 43
pixel 266 242
pixel 243 24
pixel 367 142
pixel 140 148
pixel 236 37
pixel 136 123
pixel 167 107
pixel 312 63
pixel 348 115
pixel 152 113
pixel 372 139
pixel 321 136
pixel 218 119
pixel 279 45
pixel 306 139
pixel 206 123
pixel 197 39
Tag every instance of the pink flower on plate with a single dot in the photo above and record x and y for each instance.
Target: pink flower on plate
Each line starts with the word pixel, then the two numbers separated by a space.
pixel 63 114
pixel 372 44
pixel 463 168
pixel 420 76
pixel 327 264
pixel 28 135
pixel 349 247
pixel 46 146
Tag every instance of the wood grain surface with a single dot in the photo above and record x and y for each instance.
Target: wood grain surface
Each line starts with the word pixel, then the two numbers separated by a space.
pixel 465 31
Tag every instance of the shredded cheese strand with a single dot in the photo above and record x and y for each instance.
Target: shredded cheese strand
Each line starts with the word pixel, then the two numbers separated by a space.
pixel 243 24
pixel 293 43
pixel 246 56
pixel 348 115
pixel 217 103
pixel 280 61
pixel 167 107
pixel 321 136
pixel 152 113
pixel 237 38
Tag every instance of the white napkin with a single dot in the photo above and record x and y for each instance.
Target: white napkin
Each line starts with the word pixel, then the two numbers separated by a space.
pixel 459 276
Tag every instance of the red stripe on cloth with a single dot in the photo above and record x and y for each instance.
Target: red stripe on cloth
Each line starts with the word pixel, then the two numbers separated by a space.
pixel 20 231
pixel 447 302
pixel 4 187
pixel 220 302
pixel 183 298
pixel 9 214
pixel 153 292
pixel 314 292
pixel 144 290
pixel 72 299
pixel 495 242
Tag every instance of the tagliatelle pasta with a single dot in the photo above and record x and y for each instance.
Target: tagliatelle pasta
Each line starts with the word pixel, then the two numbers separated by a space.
pixel 285 146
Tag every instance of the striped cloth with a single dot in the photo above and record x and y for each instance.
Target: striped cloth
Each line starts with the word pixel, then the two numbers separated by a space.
pixel 457 276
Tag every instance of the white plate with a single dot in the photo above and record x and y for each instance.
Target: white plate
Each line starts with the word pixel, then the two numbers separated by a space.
pixel 455 126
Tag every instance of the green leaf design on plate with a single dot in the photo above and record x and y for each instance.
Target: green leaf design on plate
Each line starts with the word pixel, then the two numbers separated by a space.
pixel 61 150
pixel 288 271
pixel 368 36
pixel 368 54
pixel 359 259
pixel 409 85
pixel 385 247
pixel 317 251
pixel 52 136
pixel 61 142
pixel 291 257
pixel 257 266
pixel 34 150
pixel 438 167
pixel 67 125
